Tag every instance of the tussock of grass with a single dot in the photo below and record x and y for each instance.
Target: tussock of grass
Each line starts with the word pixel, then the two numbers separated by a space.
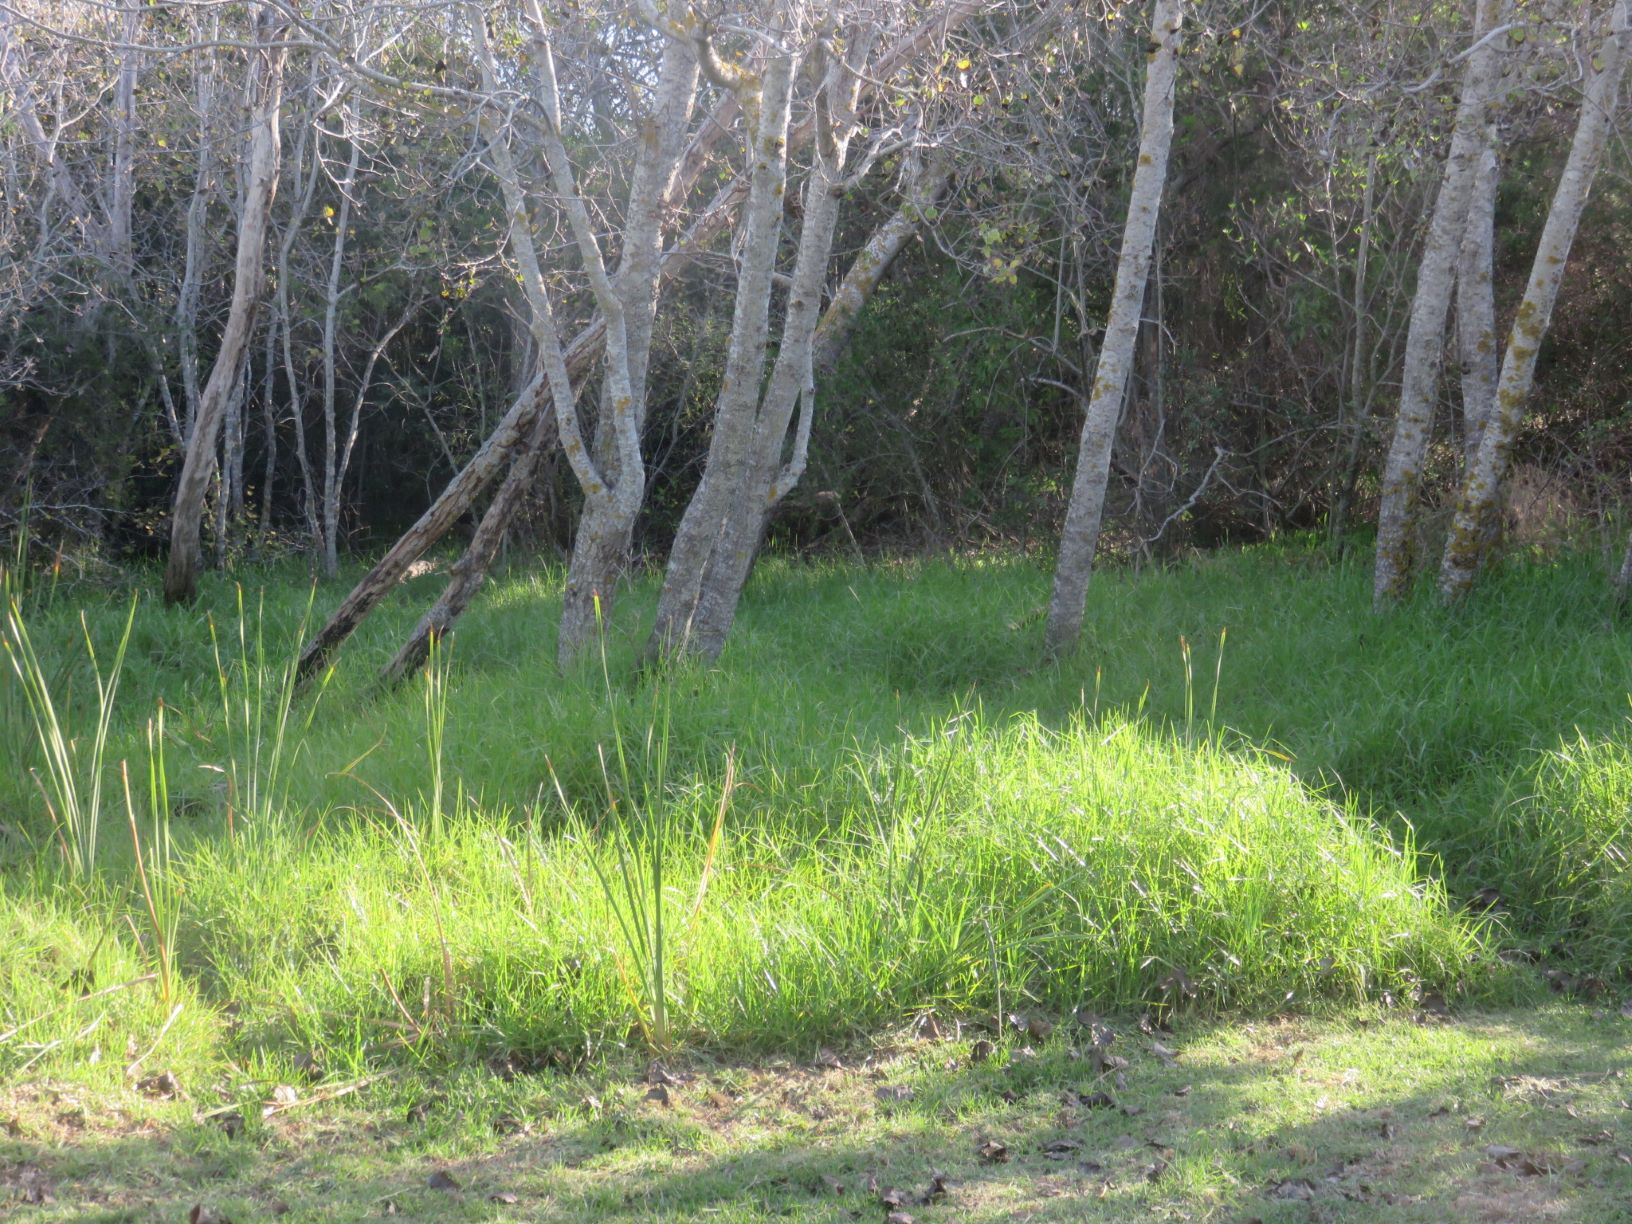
pixel 1079 867
pixel 1556 853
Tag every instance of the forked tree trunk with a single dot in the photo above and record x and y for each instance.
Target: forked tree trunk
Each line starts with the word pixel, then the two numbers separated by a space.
pixel 181 571
pixel 613 484
pixel 1467 546
pixel 748 516
pixel 1080 538
pixel 600 550
pixel 739 395
pixel 1476 300
pixel 1419 378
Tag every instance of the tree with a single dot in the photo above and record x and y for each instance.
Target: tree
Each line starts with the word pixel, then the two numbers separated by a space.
pixel 1435 278
pixel 259 186
pixel 769 477
pixel 1468 543
pixel 509 439
pixel 1080 537
pixel 613 478
pixel 751 409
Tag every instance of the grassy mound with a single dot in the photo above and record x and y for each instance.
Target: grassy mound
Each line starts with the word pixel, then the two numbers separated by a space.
pixel 1103 865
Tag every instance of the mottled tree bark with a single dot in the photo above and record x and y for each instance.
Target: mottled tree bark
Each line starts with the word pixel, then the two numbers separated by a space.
pixel 1468 544
pixel 181 571
pixel 1419 380
pixel 601 547
pixel 739 394
pixel 1080 538
pixel 1476 300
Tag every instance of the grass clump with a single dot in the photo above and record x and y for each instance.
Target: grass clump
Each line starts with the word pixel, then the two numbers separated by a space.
pixel 1554 855
pixel 1102 864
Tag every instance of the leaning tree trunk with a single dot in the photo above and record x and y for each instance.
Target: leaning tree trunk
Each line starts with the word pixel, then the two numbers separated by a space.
pixel 639 277
pixel 743 531
pixel 1467 546
pixel 1419 379
pixel 1476 301
pixel 503 447
pixel 181 572
pixel 1080 537
pixel 468 573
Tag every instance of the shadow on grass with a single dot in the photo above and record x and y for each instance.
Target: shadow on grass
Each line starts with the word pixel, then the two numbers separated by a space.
pixel 1506 1117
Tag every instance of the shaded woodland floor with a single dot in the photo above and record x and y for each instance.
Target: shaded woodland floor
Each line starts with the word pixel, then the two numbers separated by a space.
pixel 1482 1117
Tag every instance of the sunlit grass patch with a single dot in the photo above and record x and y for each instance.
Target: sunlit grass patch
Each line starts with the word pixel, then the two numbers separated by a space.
pixel 1554 856
pixel 1103 865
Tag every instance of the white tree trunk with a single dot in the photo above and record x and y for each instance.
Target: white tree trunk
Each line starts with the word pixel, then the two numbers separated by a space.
pixel 205 88
pixel 1468 542
pixel 601 547
pixel 181 571
pixel 1476 300
pixel 332 473
pixel 1080 538
pixel 771 479
pixel 1419 379
pixel 293 387
pixel 739 393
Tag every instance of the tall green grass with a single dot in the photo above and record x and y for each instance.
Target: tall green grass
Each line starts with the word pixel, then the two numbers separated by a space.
pixel 71 770
pixel 1555 856
pixel 921 813
pixel 1085 866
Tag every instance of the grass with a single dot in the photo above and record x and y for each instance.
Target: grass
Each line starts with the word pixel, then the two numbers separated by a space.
pixel 1392 1117
pixel 1245 794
